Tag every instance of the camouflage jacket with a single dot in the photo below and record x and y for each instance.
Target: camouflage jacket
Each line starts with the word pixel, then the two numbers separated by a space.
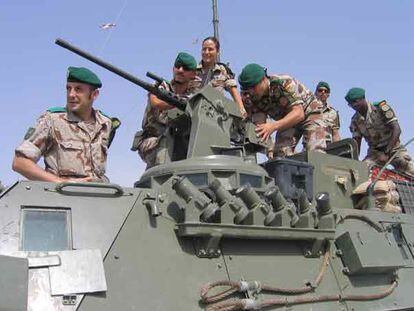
pixel 374 127
pixel 284 93
pixel 331 118
pixel 222 78
pixel 155 121
pixel 70 146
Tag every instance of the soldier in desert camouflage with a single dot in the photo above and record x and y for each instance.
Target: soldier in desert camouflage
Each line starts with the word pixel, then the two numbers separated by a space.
pixel 331 116
pixel 217 74
pixel 73 140
pixel 378 124
pixel 150 142
pixel 284 99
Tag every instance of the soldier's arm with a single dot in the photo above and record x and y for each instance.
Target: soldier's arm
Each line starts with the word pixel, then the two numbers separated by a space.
pixel 395 136
pixel 295 115
pixel 237 98
pixel 335 135
pixel 158 103
pixel 358 141
pixel 29 169
pixel 335 129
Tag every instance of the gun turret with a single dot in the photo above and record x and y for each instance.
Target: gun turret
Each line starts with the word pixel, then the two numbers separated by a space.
pixel 164 95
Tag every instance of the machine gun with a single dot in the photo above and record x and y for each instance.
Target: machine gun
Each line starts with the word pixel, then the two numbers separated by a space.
pixel 206 124
pixel 162 94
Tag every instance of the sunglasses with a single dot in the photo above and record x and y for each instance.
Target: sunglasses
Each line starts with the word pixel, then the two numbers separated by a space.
pixel 323 91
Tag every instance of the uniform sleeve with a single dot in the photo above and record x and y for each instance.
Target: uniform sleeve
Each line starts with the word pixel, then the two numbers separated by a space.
pixel 229 81
pixel 336 124
pixel 37 139
pixel 354 129
pixel 388 113
pixel 294 90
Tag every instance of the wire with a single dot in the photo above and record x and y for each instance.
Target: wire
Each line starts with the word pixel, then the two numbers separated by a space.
pixel 108 37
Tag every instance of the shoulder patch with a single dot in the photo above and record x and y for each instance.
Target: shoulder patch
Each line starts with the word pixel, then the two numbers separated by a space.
pixel 29 133
pixel 115 123
pixel 389 114
pixel 56 109
pixel 379 103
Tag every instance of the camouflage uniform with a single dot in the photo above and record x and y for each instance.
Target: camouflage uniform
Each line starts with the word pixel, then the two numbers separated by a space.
pixel 71 147
pixel 284 93
pixel 374 128
pixel 222 78
pixel 331 118
pixel 150 141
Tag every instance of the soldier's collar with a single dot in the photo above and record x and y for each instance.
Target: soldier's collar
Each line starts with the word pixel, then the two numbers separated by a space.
pixel 71 117
pixel 200 66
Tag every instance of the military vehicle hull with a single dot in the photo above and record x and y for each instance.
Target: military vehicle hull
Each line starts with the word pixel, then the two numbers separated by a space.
pixel 120 252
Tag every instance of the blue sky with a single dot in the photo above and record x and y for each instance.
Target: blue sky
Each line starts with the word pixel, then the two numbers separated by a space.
pixel 347 43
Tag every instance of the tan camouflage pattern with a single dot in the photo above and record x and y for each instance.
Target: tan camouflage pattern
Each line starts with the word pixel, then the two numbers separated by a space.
pixel 154 123
pixel 221 78
pixel 375 130
pixel 331 118
pixel 284 93
pixel 70 147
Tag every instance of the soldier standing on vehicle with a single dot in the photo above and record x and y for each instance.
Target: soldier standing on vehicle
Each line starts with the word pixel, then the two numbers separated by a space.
pixel 218 75
pixel 294 108
pixel 73 140
pixel 330 115
pixel 149 141
pixel 378 124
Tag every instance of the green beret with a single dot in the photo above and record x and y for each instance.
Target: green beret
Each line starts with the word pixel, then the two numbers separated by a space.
pixel 323 84
pixel 354 94
pixel 185 60
pixel 83 75
pixel 251 75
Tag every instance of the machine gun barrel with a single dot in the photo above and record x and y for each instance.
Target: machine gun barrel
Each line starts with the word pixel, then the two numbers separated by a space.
pixel 164 95
pixel 154 77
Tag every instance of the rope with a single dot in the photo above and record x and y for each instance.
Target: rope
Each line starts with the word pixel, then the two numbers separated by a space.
pixel 257 286
pixel 250 304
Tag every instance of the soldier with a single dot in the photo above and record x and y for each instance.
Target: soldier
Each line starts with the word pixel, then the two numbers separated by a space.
pixel 379 126
pixel 330 115
pixel 72 140
pixel 294 108
pixel 218 75
pixel 148 142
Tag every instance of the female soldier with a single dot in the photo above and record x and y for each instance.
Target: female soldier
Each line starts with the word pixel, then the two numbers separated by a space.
pixel 218 75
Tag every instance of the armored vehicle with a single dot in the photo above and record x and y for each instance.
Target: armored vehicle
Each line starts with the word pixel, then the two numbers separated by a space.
pixel 210 229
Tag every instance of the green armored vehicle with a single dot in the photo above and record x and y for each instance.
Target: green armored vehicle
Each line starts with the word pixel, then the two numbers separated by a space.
pixel 209 230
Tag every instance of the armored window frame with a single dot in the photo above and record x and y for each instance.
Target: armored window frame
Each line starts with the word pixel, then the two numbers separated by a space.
pixel 24 244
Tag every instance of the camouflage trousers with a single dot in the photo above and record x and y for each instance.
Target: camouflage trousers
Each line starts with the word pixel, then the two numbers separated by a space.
pixel 313 131
pixel 152 151
pixel 402 162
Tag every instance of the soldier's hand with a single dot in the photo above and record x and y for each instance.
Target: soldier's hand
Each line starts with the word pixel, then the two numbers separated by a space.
pixel 244 113
pixel 265 130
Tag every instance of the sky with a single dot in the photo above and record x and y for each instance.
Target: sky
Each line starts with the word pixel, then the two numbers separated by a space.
pixel 347 43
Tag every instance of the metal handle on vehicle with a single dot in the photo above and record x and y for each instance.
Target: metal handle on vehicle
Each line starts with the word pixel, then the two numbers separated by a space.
pixel 61 189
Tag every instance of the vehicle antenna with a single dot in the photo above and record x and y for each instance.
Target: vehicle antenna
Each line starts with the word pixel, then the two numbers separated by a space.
pixel 215 24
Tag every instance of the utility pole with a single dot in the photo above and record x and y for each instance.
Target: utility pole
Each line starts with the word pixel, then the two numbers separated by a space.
pixel 215 24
